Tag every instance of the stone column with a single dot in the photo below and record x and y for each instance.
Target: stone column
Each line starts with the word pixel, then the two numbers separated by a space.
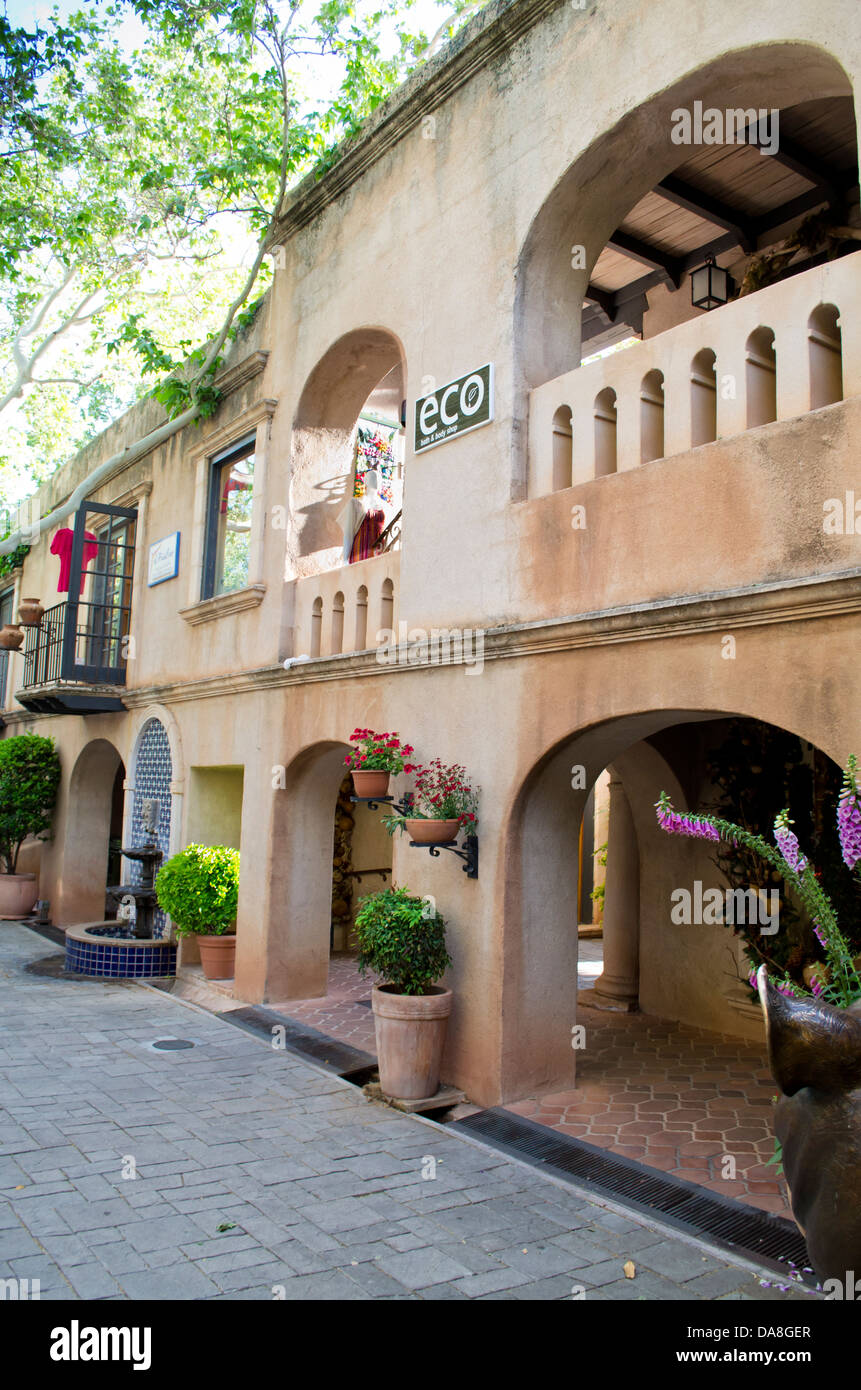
pixel 618 987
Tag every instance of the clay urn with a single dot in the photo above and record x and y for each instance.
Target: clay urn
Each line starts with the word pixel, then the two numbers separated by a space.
pixel 410 1031
pixel 11 637
pixel 814 1052
pixel 30 613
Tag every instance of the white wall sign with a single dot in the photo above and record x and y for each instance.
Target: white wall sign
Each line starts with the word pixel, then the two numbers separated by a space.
pixel 163 560
pixel 452 410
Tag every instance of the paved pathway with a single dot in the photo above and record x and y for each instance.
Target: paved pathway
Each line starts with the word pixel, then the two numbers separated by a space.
pixel 258 1172
pixel 672 1096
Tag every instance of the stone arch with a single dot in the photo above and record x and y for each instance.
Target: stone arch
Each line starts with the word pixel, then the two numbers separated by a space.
pixel 303 827
pixel 591 198
pixel 540 943
pixel 80 885
pixel 341 383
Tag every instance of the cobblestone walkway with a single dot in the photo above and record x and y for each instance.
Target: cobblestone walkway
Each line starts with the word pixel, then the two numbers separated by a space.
pixel 255 1170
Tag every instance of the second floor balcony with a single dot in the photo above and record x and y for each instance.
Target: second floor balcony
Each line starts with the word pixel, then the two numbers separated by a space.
pixel 770 356
pixel 75 660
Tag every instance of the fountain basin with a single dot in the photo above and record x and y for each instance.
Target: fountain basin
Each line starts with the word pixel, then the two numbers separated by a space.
pixel 100 950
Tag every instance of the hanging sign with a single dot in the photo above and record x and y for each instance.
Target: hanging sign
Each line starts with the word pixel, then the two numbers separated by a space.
pixel 463 405
pixel 163 560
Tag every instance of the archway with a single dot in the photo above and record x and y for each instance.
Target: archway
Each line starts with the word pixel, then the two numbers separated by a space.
pixel 667 1059
pixel 330 852
pixel 611 204
pixel 357 386
pixel 91 800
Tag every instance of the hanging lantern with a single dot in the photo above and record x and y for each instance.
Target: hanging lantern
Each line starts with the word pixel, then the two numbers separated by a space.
pixel 709 285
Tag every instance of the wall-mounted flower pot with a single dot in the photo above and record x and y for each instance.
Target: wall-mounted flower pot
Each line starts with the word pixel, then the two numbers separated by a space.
pixel 218 956
pixel 18 894
pixel 30 613
pixel 432 832
pixel 373 783
pixel 410 1031
pixel 11 637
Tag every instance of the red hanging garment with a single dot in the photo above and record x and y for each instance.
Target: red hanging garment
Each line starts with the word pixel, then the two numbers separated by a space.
pixel 371 527
pixel 62 545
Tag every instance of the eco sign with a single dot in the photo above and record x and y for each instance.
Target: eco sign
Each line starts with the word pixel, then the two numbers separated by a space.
pixel 452 410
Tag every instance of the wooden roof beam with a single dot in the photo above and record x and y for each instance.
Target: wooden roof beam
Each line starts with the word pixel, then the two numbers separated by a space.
pixel 668 267
pixel 684 195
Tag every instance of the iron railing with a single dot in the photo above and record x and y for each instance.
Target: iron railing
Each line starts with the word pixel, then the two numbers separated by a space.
pixel 43 651
pixel 390 537
pixel 82 642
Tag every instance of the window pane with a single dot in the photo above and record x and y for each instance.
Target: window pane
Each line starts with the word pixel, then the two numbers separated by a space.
pixel 235 490
pixel 6 616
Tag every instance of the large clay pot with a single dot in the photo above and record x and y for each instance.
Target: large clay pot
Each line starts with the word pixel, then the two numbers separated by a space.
pixel 11 637
pixel 30 613
pixel 410 1031
pixel 218 956
pixel 18 894
pixel 814 1052
pixel 432 832
pixel 371 783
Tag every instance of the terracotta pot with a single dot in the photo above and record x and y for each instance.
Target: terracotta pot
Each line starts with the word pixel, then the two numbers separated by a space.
pixel 30 612
pixel 432 832
pixel 11 637
pixel 371 783
pixel 410 1031
pixel 18 894
pixel 218 956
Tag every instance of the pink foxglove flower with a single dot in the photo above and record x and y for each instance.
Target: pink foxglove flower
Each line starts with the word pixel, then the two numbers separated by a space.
pixel 787 843
pixel 849 816
pixel 677 824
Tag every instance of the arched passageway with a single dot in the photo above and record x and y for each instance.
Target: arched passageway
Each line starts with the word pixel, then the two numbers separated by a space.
pixel 91 824
pixel 667 1059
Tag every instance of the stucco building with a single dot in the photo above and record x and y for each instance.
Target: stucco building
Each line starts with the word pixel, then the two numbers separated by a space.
pixel 633 549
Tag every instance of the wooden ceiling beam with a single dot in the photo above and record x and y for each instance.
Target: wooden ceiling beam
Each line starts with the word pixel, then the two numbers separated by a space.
pixel 669 267
pixel 684 195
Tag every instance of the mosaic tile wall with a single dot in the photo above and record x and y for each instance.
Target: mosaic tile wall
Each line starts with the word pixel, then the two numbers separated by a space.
pixel 153 774
pixel 109 960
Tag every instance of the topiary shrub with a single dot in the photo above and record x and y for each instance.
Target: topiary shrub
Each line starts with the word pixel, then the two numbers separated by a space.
pixel 29 780
pixel 402 939
pixel 199 890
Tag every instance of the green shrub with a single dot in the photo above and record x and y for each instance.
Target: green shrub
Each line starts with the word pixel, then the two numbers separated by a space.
pixel 402 939
pixel 199 889
pixel 29 780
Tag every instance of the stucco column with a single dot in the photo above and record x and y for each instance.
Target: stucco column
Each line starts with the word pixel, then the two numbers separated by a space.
pixel 618 986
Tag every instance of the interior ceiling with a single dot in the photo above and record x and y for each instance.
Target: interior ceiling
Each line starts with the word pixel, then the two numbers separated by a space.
pixel 723 198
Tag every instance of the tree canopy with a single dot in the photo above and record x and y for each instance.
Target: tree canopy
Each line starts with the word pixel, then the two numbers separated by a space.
pixel 140 180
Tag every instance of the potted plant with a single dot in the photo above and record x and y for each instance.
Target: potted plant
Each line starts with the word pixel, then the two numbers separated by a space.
pixel 199 890
pixel 372 760
pixel 402 940
pixel 443 804
pixel 29 779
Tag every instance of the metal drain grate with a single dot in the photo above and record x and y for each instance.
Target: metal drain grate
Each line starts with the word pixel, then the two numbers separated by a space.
pixel 726 1222
pixel 307 1042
